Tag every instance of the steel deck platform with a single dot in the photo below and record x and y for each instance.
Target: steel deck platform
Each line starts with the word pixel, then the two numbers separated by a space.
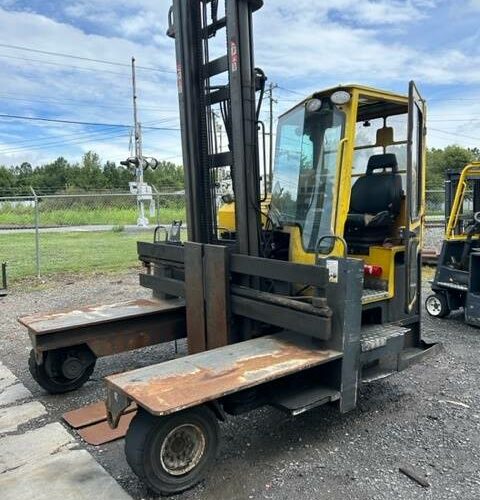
pixel 190 381
pixel 41 324
pixel 108 329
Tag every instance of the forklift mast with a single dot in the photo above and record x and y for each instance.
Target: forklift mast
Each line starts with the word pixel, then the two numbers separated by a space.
pixel 228 82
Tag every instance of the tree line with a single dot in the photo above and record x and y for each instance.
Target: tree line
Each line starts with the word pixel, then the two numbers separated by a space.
pixel 89 174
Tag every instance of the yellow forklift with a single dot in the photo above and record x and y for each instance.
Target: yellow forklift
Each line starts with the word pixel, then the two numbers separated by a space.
pixel 293 306
pixel 456 283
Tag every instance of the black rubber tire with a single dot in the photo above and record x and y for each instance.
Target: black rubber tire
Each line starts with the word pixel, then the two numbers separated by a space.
pixel 144 440
pixel 59 384
pixel 441 303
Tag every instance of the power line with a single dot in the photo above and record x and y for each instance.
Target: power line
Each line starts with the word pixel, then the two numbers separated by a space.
pixel 463 120
pixel 74 135
pixel 44 140
pixel 71 66
pixel 454 99
pixel 99 136
pixel 73 102
pixel 81 58
pixel 290 90
pixel 61 140
pixel 75 122
pixel 454 133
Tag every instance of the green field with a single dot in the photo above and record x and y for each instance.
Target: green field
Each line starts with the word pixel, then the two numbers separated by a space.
pixel 70 253
pixel 25 216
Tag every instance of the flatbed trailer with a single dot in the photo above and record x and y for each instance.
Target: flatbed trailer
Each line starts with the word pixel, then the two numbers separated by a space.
pixel 66 344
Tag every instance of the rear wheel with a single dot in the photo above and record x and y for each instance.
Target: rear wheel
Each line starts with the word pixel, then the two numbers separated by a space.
pixel 173 453
pixel 437 305
pixel 63 370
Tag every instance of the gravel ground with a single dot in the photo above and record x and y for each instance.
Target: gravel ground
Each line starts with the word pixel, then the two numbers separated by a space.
pixel 434 234
pixel 427 417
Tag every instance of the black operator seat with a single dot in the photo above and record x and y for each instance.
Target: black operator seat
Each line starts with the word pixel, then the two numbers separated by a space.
pixel 374 204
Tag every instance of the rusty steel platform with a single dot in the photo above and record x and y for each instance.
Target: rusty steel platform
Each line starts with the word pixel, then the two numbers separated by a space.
pixel 89 415
pixel 186 382
pixel 41 324
pixel 102 433
pixel 108 328
pixel 90 423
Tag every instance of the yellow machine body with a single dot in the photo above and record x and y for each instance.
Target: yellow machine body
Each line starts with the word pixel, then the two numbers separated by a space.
pixel 388 115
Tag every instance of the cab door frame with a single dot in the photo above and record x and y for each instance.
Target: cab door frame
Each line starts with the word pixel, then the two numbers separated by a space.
pixel 414 197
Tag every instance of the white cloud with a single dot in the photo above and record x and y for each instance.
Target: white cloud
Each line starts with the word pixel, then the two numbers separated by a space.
pixel 387 11
pixel 58 88
pixel 304 44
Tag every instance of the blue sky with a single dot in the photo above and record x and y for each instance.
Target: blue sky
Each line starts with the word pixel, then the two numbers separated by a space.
pixel 302 45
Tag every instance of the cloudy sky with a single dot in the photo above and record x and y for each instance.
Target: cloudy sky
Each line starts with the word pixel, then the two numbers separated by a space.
pixel 302 45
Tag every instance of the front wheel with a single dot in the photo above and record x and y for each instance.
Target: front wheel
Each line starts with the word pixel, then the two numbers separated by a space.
pixel 173 453
pixel 437 305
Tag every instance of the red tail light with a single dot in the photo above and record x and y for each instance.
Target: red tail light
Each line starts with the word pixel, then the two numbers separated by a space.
pixel 372 270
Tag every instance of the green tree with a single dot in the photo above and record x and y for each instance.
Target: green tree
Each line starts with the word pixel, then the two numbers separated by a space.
pixel 52 176
pixel 116 177
pixel 166 175
pixel 452 157
pixel 7 181
pixel 89 174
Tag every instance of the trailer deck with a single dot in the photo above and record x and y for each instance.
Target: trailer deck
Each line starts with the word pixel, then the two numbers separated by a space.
pixel 182 383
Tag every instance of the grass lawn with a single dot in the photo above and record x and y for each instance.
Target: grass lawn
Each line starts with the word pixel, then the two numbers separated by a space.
pixel 70 252
pixel 25 216
pixel 79 253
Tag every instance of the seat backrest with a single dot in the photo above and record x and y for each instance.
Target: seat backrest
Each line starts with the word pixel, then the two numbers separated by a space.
pixel 378 191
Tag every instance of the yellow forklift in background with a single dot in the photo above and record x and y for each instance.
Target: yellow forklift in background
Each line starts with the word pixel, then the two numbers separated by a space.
pixel 456 283
pixel 296 304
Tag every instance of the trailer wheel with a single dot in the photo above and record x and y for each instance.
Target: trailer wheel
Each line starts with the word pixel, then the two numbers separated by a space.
pixel 437 305
pixel 173 453
pixel 63 370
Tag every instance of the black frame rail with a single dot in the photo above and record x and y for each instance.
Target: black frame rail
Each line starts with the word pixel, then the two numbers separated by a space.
pixel 212 281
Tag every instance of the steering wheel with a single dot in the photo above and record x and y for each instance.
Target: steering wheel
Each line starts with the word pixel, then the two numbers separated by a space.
pixel 473 226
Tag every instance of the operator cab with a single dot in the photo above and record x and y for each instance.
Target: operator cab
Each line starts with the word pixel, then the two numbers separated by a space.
pixel 375 204
pixel 349 178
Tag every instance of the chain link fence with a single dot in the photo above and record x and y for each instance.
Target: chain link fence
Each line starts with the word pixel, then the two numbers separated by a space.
pixel 44 234
pixel 435 205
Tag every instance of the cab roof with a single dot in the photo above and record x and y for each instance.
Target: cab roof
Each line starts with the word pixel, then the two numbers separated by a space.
pixel 376 100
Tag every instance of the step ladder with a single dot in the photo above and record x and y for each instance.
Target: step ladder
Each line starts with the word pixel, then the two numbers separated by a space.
pixel 376 336
pixel 377 341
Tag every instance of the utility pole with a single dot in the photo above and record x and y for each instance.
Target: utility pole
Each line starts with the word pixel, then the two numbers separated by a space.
pixel 142 219
pixel 272 86
pixel 219 131
pixel 218 139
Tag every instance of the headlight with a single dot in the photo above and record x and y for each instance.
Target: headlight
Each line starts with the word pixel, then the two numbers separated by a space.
pixel 313 105
pixel 340 97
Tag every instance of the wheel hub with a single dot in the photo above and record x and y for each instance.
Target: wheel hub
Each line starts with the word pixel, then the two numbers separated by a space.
pixel 72 368
pixel 182 449
pixel 434 306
